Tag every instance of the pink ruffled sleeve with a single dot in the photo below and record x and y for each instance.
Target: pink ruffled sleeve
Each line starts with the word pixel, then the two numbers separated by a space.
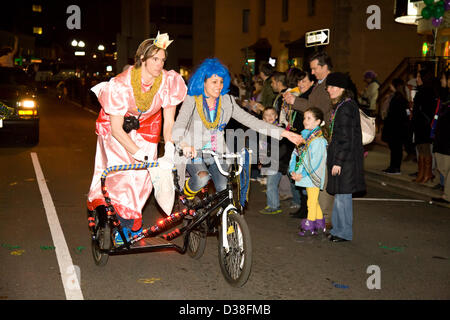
pixel 174 91
pixel 115 95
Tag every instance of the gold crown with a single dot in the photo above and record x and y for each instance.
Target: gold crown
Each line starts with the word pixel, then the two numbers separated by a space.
pixel 162 41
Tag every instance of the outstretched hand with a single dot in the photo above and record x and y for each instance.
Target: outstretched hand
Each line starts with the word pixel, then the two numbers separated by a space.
pixel 293 137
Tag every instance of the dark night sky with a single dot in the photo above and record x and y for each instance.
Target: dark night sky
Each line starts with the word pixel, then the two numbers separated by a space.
pixel 100 20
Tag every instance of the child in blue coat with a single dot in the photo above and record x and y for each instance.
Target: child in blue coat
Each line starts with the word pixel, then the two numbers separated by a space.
pixel 307 168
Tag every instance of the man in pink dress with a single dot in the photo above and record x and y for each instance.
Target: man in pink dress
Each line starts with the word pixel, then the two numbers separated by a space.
pixel 149 93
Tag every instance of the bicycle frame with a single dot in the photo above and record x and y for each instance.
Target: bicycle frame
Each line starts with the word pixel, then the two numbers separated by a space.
pixel 222 200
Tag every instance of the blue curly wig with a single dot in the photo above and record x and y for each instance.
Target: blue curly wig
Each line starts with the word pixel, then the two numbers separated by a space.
pixel 207 69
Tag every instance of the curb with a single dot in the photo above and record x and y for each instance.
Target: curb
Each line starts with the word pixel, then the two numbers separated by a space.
pixel 421 191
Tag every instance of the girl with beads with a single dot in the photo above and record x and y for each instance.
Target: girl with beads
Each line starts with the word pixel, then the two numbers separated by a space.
pixel 149 93
pixel 202 120
pixel 307 168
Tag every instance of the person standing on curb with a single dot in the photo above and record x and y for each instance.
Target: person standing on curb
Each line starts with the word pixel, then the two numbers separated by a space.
pixel 345 157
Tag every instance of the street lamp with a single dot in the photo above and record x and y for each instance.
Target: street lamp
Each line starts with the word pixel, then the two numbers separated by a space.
pixel 406 12
pixel 101 47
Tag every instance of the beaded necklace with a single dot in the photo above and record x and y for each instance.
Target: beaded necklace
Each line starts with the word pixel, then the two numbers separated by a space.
pixel 333 115
pixel 315 133
pixel 208 124
pixel 143 99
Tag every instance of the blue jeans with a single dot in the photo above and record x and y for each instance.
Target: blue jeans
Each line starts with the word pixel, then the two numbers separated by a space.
pixel 207 165
pixel 295 193
pixel 342 216
pixel 273 198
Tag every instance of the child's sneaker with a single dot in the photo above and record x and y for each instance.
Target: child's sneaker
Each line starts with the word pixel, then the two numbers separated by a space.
pixel 307 228
pixel 269 210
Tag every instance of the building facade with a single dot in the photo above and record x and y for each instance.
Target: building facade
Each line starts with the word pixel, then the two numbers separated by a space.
pixel 250 31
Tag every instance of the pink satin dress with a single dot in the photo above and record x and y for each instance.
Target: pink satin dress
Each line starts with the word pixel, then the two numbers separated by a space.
pixel 129 190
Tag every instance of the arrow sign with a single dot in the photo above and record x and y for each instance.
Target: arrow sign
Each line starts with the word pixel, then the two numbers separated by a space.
pixel 317 38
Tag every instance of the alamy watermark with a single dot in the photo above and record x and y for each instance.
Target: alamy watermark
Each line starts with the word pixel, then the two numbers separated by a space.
pixel 374 20
pixel 74 20
pixel 374 281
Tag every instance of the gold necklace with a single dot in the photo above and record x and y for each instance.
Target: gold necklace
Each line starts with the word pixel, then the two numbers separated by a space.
pixel 199 104
pixel 143 99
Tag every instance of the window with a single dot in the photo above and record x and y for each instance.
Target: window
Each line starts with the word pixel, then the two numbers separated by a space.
pixel 37 8
pixel 262 12
pixel 37 30
pixel 285 10
pixel 245 20
pixel 311 8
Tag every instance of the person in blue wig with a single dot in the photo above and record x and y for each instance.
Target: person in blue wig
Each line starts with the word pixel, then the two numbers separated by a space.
pixel 202 120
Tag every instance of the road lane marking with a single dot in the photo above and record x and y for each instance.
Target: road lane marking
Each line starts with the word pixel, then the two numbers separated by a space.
pixel 70 282
pixel 381 199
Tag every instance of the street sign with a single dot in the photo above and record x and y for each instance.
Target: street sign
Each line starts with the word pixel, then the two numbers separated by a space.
pixel 317 38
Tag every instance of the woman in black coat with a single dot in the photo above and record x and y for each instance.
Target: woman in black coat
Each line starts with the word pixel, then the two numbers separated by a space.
pixel 425 103
pixel 395 129
pixel 344 157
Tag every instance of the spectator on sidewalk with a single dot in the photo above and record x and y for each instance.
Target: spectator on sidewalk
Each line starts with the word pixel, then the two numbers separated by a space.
pixel 425 102
pixel 267 94
pixel 302 82
pixel 411 89
pixel 270 166
pixel 441 143
pixel 369 96
pixel 396 126
pixel 307 168
pixel 344 157
pixel 279 86
pixel 321 66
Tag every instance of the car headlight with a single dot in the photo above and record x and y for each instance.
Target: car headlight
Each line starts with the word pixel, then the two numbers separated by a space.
pixel 27 104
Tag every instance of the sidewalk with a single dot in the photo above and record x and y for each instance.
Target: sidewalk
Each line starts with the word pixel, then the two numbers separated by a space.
pixel 378 160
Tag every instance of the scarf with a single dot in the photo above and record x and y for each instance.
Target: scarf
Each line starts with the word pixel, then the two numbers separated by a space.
pixel 309 135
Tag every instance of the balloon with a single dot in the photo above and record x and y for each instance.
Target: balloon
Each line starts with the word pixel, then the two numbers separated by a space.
pixel 447 4
pixel 436 22
pixel 426 13
pixel 438 11
pixel 428 2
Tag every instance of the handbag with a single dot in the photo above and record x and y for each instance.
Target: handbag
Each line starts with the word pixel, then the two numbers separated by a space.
pixel 368 129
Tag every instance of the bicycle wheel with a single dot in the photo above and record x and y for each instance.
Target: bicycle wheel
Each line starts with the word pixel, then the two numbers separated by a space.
pixel 102 242
pixel 197 241
pixel 237 262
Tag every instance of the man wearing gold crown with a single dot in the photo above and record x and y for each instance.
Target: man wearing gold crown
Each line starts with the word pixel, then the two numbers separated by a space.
pixel 141 91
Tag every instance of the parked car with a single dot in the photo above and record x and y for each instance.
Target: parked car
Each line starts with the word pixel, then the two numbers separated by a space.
pixel 19 112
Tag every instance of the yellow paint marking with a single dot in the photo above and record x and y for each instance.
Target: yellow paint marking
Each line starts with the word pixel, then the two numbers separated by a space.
pixel 148 280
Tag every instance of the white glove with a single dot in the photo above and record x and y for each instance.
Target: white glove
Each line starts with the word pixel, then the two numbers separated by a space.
pixel 169 151
pixel 140 156
pixel 167 161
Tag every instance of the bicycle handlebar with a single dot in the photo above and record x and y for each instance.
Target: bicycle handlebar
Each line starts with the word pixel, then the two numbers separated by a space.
pixel 154 164
pixel 216 157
